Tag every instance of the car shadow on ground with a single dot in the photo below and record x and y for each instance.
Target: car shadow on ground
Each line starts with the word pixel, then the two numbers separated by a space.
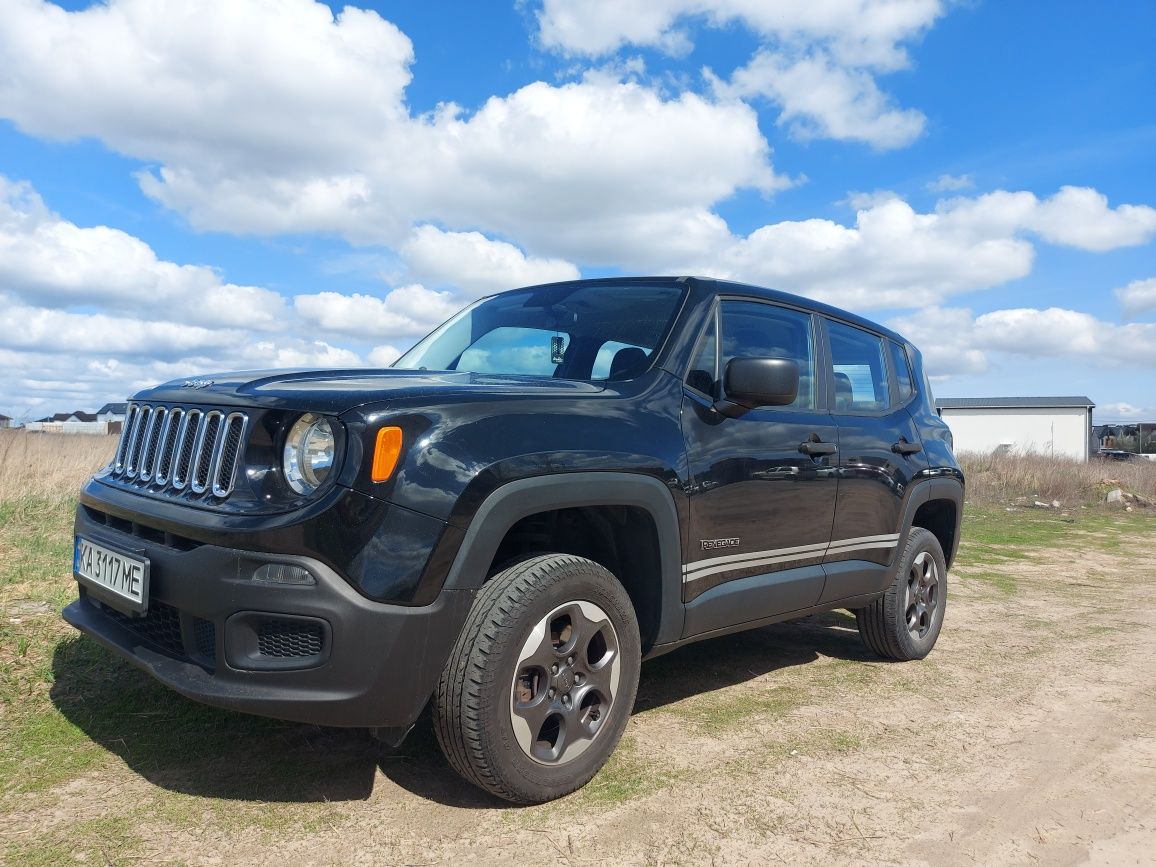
pixel 189 748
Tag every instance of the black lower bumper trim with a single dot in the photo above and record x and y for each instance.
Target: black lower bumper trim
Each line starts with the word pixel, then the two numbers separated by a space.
pixel 328 655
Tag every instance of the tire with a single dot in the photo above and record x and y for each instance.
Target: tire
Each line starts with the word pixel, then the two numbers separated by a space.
pixel 904 622
pixel 541 681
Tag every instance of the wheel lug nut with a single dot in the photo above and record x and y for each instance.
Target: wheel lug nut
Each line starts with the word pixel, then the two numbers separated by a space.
pixel 570 660
pixel 554 668
pixel 553 692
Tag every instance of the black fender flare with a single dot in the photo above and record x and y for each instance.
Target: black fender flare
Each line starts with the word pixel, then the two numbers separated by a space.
pixel 926 491
pixel 519 499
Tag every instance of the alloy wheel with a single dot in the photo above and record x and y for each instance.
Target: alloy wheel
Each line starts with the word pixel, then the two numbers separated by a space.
pixel 565 681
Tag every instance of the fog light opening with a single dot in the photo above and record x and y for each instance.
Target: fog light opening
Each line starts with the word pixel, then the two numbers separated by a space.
pixel 283 573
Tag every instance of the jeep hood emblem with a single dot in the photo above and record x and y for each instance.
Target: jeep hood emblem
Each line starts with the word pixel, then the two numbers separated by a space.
pixel 196 383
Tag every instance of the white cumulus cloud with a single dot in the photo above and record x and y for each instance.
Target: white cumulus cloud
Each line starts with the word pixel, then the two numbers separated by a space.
pixel 1081 217
pixel 895 257
pixel 408 311
pixel 819 98
pixel 275 116
pixel 24 327
pixel 953 341
pixel 1138 297
pixel 818 61
pixel 1121 410
pixel 267 83
pixel 48 260
pixel 859 31
pixel 384 355
pixel 945 337
pixel 892 257
pixel 472 261
pixel 950 183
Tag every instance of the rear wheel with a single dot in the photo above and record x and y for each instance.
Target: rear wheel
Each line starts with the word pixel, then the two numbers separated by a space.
pixel 540 684
pixel 904 622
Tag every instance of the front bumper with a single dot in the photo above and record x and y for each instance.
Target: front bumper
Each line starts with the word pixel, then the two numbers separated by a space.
pixel 359 663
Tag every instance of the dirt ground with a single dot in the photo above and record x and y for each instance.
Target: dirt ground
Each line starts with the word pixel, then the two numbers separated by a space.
pixel 1028 736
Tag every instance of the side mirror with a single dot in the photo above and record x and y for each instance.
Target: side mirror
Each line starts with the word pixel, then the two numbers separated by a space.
pixel 749 383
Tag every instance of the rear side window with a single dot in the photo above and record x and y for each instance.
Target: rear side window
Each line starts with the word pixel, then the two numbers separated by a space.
pixel 860 374
pixel 753 330
pixel 902 368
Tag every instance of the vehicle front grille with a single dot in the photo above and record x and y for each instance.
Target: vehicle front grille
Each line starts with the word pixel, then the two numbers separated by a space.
pixel 180 450
pixel 160 626
pixel 205 637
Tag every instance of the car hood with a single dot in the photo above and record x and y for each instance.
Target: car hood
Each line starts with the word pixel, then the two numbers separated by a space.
pixel 334 391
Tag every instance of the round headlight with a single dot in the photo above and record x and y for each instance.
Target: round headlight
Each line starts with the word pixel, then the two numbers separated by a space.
pixel 309 453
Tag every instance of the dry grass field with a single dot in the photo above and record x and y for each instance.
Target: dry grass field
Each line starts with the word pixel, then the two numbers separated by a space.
pixel 35 466
pixel 1000 480
pixel 1028 736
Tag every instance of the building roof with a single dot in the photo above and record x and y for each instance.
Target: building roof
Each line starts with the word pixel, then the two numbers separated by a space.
pixel 1011 402
pixel 79 415
pixel 114 408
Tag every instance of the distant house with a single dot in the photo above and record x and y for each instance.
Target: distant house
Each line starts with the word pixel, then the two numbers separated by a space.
pixel 112 412
pixel 61 417
pixel 78 422
pixel 5 422
pixel 79 415
pixel 1060 426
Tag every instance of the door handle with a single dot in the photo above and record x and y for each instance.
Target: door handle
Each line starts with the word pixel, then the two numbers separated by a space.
pixel 815 449
pixel 903 447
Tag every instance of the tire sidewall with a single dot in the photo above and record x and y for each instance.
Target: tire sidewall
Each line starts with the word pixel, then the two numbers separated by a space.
pixel 920 540
pixel 572 580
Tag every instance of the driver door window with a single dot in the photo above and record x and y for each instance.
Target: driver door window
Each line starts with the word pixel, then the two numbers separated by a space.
pixel 754 330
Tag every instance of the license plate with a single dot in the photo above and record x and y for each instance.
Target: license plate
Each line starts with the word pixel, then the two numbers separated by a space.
pixel 120 579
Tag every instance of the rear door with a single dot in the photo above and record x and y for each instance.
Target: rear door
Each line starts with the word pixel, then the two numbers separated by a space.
pixel 879 455
pixel 761 509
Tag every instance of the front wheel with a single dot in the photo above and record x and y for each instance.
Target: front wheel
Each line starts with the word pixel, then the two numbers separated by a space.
pixel 541 681
pixel 904 622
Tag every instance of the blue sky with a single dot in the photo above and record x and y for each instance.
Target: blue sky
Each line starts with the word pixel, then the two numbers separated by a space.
pixel 195 186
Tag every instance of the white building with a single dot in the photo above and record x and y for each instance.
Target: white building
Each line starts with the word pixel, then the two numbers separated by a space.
pixel 1060 426
pixel 112 412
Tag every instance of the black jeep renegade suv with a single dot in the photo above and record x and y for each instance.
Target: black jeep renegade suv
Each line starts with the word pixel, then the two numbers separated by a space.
pixel 555 484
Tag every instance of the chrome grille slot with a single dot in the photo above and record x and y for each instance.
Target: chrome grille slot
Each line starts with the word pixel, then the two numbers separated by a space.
pixel 180 450
pixel 168 440
pixel 122 447
pixel 225 462
pixel 149 449
pixel 190 427
pixel 206 449
pixel 137 442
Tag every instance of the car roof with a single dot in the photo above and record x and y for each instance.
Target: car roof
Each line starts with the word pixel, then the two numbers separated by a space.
pixel 702 285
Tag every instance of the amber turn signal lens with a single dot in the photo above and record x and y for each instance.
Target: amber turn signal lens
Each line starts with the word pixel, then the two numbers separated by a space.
pixel 386 453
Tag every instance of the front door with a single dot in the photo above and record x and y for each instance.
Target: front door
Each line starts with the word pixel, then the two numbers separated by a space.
pixel 762 486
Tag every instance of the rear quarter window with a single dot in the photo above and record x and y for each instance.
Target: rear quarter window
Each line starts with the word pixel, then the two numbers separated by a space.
pixel 902 367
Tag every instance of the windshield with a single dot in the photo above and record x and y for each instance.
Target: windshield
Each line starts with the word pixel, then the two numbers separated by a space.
pixel 570 331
